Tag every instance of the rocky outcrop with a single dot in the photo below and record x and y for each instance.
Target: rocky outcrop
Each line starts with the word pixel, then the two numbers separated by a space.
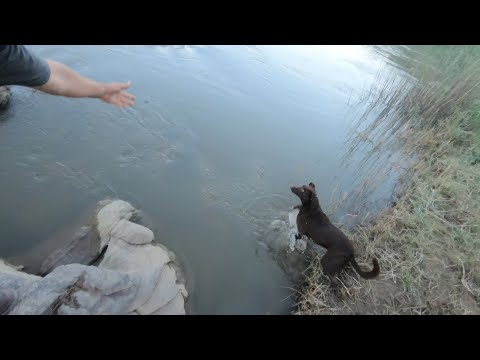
pixel 84 249
pixel 135 276
pixel 291 254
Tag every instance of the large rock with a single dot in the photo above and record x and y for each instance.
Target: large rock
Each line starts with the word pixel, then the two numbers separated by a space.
pixel 78 289
pixel 12 278
pixel 84 248
pixel 136 276
pixel 291 254
pixel 88 243
pixel 109 216
pixel 130 250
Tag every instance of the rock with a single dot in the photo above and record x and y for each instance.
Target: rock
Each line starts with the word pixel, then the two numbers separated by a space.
pixel 292 256
pixel 136 276
pixel 174 307
pixel 5 96
pixel 150 263
pixel 131 233
pixel 73 289
pixel 166 291
pixel 10 267
pixel 131 250
pixel 145 265
pixel 109 216
pixel 86 246
pixel 83 249
pixel 41 295
pixel 301 245
pixel 11 278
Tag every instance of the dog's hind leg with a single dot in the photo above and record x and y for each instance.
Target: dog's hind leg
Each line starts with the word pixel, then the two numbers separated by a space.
pixel 330 266
pixel 334 281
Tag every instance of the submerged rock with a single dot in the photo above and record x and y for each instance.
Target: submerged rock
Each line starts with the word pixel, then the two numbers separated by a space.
pixel 291 254
pixel 83 249
pixel 89 242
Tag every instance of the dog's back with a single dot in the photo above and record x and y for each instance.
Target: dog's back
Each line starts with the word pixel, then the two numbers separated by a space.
pixel 315 224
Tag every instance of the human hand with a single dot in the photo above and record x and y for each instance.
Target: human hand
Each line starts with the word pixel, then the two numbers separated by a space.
pixel 114 94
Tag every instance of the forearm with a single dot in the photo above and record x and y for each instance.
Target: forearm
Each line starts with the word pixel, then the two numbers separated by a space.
pixel 66 82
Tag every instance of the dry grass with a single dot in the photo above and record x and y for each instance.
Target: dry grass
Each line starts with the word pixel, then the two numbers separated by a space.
pixel 428 244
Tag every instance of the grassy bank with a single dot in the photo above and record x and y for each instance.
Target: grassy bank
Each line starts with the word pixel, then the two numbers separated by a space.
pixel 428 242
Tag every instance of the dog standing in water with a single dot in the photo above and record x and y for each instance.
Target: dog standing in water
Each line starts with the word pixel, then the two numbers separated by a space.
pixel 315 224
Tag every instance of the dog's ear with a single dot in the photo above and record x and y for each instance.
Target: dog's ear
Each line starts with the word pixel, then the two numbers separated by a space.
pixel 312 190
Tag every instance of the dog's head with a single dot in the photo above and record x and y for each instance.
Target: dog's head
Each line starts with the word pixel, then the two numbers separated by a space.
pixel 306 193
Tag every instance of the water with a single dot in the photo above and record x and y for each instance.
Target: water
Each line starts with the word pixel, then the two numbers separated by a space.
pixel 217 137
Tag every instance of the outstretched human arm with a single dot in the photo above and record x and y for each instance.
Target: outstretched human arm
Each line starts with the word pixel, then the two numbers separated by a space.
pixel 64 81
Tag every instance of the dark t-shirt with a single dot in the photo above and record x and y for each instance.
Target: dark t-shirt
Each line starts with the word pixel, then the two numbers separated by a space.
pixel 20 66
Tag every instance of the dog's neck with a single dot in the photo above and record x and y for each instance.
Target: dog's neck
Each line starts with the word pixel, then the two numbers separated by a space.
pixel 312 208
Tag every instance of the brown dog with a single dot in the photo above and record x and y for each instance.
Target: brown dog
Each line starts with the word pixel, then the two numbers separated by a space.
pixel 314 224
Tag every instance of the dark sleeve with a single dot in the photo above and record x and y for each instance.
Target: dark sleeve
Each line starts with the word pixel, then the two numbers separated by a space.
pixel 20 66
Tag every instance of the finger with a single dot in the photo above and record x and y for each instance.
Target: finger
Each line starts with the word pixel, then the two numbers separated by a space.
pixel 129 96
pixel 120 101
pixel 126 97
pixel 129 103
pixel 126 102
pixel 116 102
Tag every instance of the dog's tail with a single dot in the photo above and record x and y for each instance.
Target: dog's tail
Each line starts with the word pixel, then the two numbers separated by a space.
pixel 366 274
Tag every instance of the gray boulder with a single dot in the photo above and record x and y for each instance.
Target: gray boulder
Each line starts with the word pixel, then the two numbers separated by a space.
pixel 135 276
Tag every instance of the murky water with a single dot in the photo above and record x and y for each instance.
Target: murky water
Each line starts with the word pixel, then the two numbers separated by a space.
pixel 217 137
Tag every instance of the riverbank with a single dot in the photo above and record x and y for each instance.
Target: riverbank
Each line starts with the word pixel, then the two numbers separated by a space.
pixel 427 242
